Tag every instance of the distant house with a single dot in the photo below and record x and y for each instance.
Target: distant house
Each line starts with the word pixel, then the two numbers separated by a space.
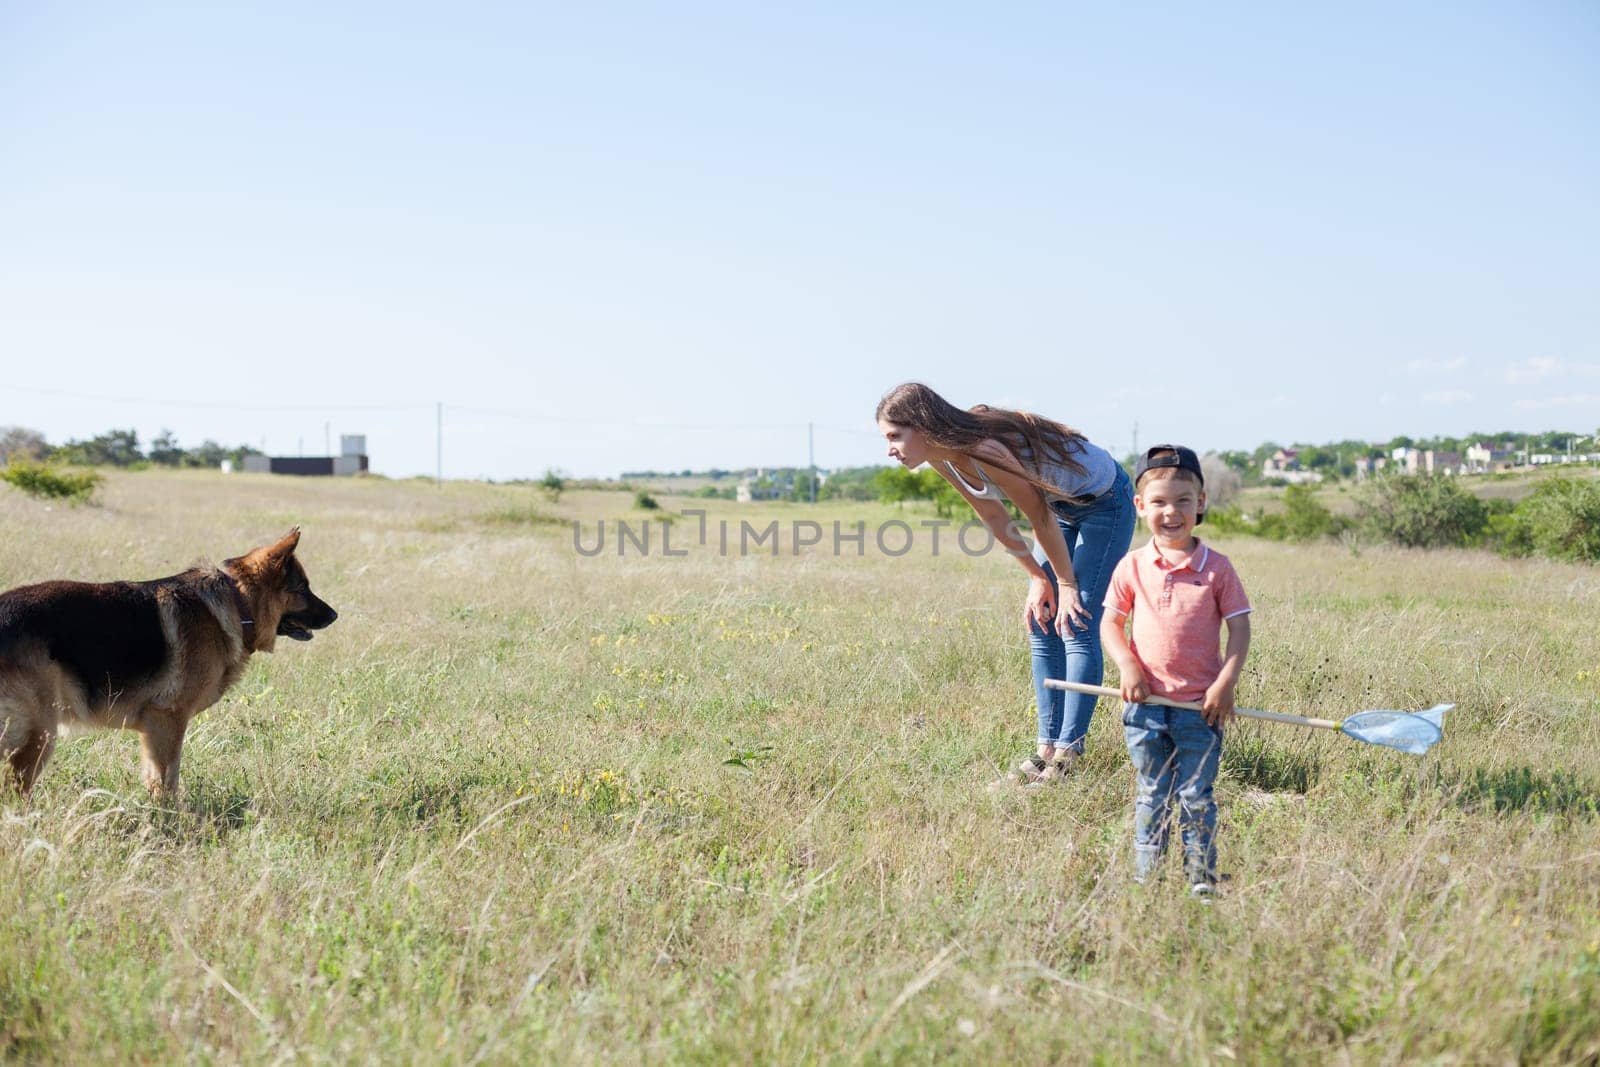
pixel 352 459
pixel 1284 464
pixel 1485 458
pixel 1281 462
pixel 1367 466
pixel 1441 462
pixel 1425 461
pixel 1543 459
pixel 748 491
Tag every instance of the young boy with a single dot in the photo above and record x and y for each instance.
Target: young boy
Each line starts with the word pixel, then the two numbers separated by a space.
pixel 1179 592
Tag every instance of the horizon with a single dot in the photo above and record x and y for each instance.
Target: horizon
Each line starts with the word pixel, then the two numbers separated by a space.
pixel 718 471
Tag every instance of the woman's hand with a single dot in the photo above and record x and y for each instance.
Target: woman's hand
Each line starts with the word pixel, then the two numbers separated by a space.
pixel 1041 606
pixel 1072 614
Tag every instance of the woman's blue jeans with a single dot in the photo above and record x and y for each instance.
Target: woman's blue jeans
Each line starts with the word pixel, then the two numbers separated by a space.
pixel 1097 536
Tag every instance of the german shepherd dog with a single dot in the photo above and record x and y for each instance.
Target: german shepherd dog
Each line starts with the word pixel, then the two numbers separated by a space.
pixel 145 656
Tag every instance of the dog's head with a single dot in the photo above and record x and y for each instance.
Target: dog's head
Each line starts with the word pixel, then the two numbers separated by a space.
pixel 275 586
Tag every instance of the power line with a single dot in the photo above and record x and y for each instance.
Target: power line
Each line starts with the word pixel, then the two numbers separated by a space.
pixel 540 416
pixel 509 413
pixel 847 430
pixel 204 404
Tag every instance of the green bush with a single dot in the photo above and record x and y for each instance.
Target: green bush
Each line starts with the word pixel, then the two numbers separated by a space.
pixel 946 501
pixel 644 500
pixel 1561 519
pixel 1422 511
pixel 1228 520
pixel 1304 518
pixel 896 484
pixel 1507 534
pixel 42 480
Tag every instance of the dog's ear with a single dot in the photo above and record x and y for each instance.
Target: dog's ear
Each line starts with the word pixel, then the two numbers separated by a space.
pixel 278 554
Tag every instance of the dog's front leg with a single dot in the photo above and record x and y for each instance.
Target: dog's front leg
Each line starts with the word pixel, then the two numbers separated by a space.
pixel 29 758
pixel 161 748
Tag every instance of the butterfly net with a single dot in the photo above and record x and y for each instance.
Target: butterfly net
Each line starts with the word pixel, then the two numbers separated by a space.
pixel 1413 732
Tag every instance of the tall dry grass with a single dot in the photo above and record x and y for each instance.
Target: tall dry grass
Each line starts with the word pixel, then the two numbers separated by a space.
pixel 520 805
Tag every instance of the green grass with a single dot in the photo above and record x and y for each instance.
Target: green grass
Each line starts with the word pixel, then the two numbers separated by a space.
pixel 519 805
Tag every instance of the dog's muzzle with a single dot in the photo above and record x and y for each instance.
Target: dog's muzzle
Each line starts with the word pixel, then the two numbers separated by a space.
pixel 298 625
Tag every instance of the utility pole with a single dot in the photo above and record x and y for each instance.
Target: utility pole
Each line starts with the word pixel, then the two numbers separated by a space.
pixel 811 454
pixel 1136 438
pixel 438 478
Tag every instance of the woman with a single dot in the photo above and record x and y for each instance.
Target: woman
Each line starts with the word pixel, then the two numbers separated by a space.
pixel 1079 502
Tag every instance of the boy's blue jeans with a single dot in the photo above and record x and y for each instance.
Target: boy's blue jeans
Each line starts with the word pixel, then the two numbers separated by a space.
pixel 1097 536
pixel 1174 750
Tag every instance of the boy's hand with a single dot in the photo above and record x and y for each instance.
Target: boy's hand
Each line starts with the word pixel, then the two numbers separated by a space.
pixel 1134 688
pixel 1217 708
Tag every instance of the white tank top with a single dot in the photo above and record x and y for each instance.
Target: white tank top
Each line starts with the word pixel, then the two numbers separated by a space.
pixel 1099 471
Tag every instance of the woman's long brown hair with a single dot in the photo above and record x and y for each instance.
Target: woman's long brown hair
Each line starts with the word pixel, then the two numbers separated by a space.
pixel 1028 436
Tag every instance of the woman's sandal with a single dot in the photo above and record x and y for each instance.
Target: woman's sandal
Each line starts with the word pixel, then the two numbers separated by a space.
pixel 1028 771
pixel 1061 765
pixel 1024 773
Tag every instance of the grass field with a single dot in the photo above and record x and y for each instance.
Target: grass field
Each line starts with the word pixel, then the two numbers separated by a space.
pixel 522 805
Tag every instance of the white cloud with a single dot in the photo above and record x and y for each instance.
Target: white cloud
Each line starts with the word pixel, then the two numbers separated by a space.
pixel 1542 368
pixel 1387 400
pixel 1432 365
pixel 1444 398
pixel 1577 400
pixel 1532 370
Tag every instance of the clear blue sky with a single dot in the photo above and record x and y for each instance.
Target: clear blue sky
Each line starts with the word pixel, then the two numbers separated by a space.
pixel 613 237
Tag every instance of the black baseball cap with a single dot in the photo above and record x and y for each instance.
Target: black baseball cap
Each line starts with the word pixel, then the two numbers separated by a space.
pixel 1157 456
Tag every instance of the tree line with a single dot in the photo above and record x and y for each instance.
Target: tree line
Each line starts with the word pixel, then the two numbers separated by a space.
pixel 115 448
pixel 1338 459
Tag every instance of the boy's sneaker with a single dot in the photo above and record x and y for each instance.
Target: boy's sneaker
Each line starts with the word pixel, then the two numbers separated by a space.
pixel 1202 882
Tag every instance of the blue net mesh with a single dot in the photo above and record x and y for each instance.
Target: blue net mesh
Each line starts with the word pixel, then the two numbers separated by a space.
pixel 1408 732
pixel 1435 715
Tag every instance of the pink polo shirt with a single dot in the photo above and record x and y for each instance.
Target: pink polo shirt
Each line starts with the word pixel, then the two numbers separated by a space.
pixel 1177 615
